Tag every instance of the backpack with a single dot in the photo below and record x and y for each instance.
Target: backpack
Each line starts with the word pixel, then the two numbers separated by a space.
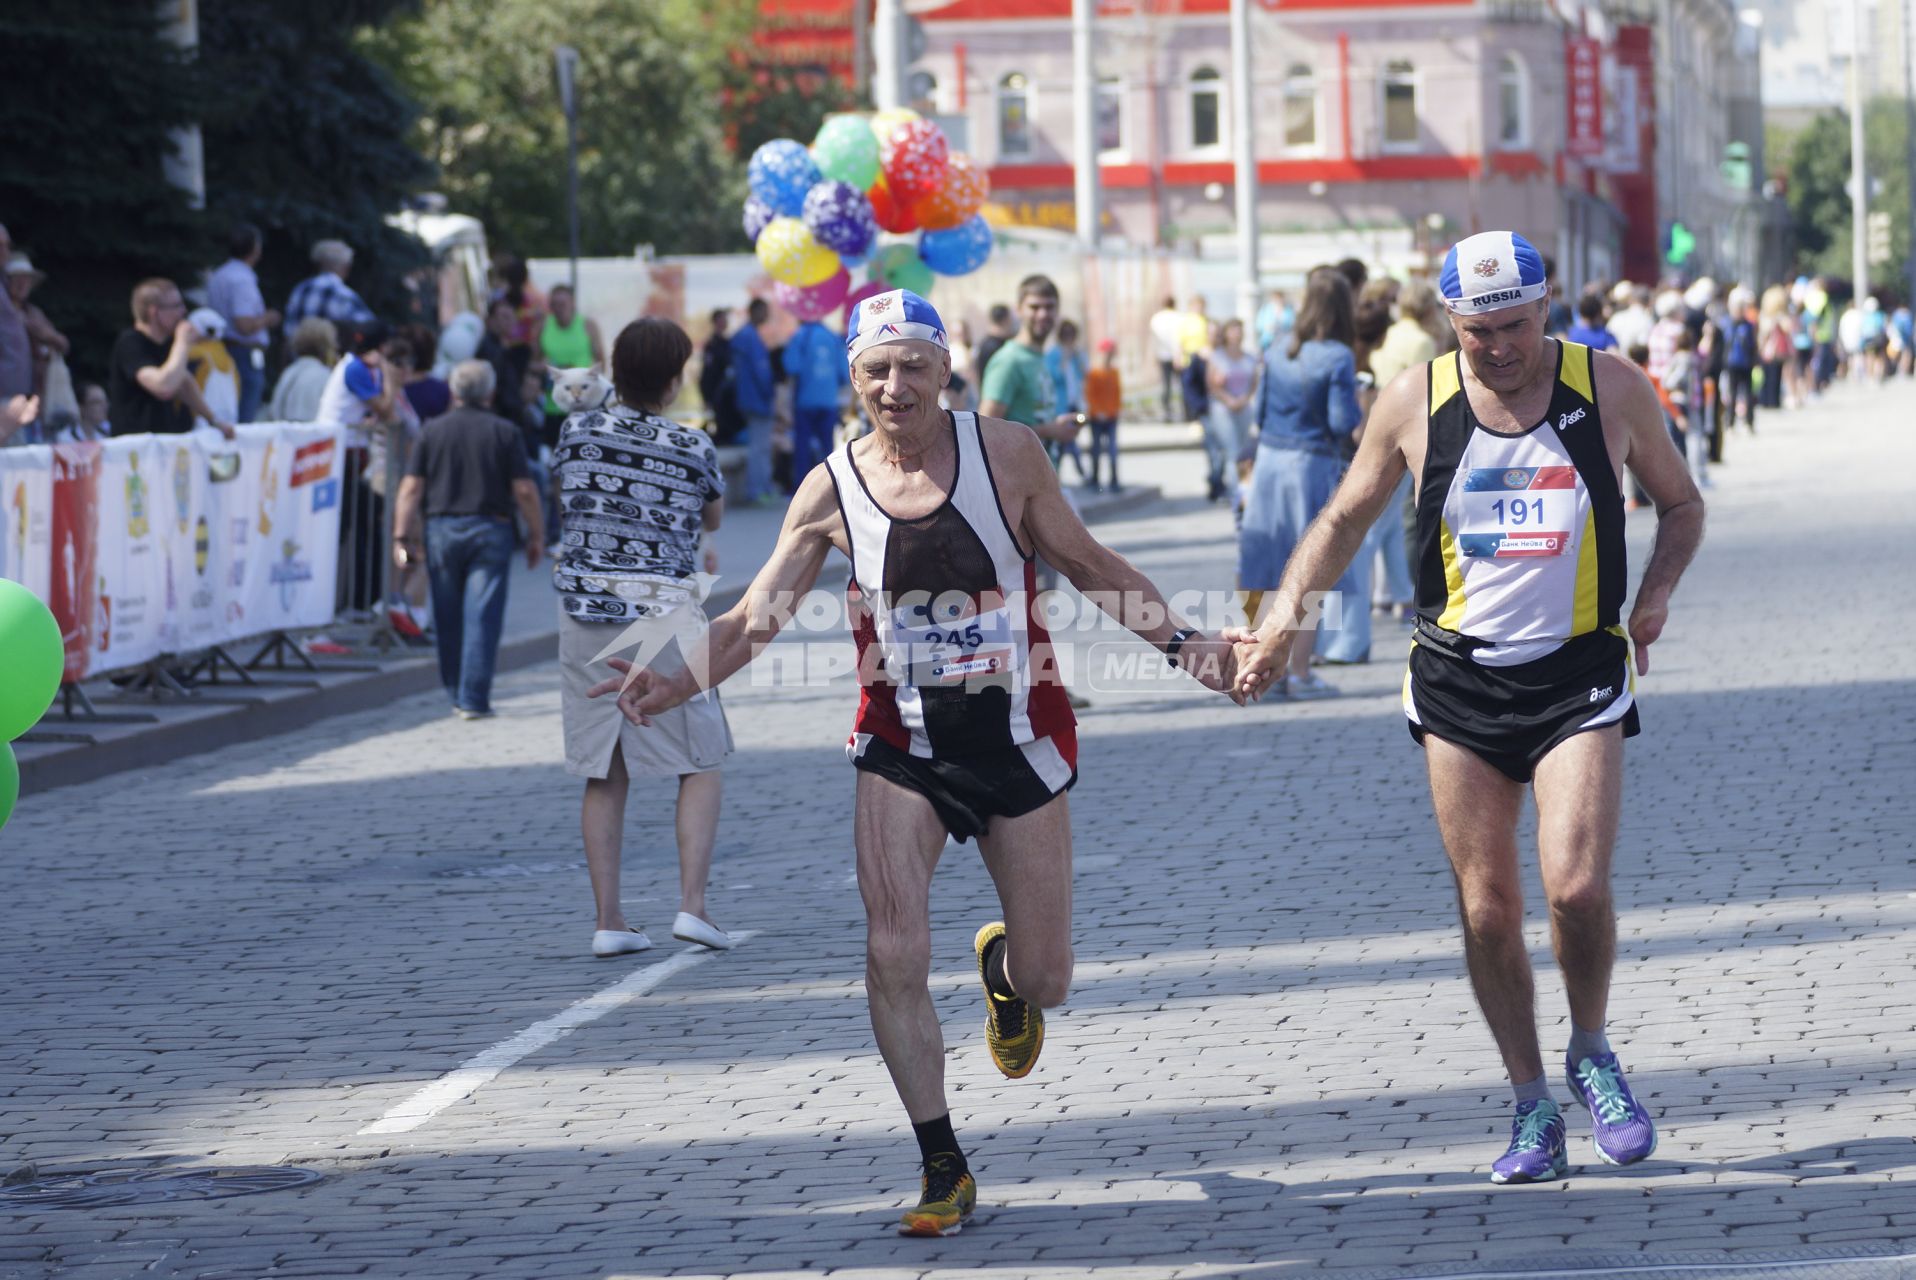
pixel 1742 349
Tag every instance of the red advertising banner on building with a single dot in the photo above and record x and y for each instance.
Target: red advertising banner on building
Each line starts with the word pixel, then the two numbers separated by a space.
pixel 1583 96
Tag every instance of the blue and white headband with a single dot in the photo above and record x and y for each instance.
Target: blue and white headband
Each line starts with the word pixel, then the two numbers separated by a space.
pixel 898 316
pixel 1491 271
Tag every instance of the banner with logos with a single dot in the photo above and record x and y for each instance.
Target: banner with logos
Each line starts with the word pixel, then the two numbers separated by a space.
pixel 144 545
pixel 26 517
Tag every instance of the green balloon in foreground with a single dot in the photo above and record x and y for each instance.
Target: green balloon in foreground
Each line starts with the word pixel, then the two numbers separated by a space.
pixel 847 151
pixel 32 659
pixel 898 266
pixel 9 782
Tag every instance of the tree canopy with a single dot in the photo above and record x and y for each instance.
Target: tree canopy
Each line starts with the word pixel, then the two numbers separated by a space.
pixel 301 135
pixel 654 164
pixel 1819 197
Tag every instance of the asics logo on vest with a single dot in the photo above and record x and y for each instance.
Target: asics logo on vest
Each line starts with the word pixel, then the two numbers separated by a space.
pixel 1598 695
pixel 1569 419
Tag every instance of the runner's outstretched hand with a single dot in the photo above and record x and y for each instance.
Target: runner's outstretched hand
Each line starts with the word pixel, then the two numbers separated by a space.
pixel 642 693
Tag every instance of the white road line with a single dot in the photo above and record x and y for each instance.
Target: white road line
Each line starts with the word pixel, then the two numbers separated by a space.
pixel 477 1071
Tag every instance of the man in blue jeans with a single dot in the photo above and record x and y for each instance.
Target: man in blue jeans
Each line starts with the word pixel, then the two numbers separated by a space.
pixel 752 365
pixel 468 471
pixel 815 359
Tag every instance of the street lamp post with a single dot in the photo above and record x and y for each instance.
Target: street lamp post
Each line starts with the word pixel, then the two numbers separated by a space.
pixel 1084 133
pixel 1244 152
pixel 1858 161
pixel 566 60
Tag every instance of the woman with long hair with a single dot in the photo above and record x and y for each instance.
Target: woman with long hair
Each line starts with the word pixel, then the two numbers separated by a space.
pixel 1307 411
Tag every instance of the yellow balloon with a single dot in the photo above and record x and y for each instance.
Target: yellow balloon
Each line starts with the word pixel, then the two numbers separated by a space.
pixel 885 121
pixel 791 256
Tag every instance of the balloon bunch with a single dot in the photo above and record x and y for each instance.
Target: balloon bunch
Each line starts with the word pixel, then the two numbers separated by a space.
pixel 33 657
pixel 815 213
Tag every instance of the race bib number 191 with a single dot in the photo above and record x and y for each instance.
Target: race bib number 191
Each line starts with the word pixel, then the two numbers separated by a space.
pixel 1510 512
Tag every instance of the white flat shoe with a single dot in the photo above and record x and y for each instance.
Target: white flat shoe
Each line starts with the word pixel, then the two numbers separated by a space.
pixel 689 928
pixel 619 942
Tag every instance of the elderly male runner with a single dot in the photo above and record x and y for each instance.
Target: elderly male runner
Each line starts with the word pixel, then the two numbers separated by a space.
pixel 962 726
pixel 1520 673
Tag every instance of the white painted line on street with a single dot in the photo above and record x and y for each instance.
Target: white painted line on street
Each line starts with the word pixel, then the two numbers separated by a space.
pixel 479 1070
pixel 1650 1267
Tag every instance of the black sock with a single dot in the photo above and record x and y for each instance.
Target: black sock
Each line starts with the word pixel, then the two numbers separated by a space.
pixel 997 977
pixel 935 1138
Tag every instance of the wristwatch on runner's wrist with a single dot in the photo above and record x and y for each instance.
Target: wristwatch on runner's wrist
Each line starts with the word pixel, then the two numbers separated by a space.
pixel 1178 638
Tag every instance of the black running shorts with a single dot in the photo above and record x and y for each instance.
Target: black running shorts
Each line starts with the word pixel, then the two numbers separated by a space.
pixel 968 791
pixel 1513 716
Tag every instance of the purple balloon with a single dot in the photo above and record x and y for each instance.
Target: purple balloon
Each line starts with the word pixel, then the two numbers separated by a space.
pixel 815 301
pixel 840 217
pixel 757 214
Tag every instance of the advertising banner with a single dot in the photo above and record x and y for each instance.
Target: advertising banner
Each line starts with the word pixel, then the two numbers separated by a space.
pixel 76 522
pixel 131 582
pixel 1583 97
pixel 26 517
pixel 146 545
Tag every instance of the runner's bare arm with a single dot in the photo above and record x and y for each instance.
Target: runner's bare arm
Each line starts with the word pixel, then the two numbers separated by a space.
pixel 1333 538
pixel 741 631
pixel 1105 577
pixel 1652 457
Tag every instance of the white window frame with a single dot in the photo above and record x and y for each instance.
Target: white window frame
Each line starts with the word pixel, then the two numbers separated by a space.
pixel 1030 94
pixel 1193 85
pixel 1316 145
pixel 1118 88
pixel 1511 66
pixel 1385 82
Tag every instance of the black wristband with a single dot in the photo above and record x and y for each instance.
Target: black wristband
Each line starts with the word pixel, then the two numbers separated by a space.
pixel 1178 638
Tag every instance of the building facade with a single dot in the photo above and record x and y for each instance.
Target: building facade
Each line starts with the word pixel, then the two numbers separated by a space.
pixel 1388 128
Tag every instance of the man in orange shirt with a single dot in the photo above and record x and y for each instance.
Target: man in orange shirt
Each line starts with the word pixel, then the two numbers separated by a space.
pixel 1103 396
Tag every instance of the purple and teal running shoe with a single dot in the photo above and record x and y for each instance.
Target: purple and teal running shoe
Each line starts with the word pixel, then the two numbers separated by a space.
pixel 1536 1151
pixel 1620 1128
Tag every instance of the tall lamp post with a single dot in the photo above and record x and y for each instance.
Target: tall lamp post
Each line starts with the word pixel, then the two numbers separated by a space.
pixel 566 59
pixel 1858 161
pixel 1244 149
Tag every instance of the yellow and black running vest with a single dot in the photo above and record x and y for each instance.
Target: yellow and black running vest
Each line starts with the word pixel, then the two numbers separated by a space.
pixel 1519 537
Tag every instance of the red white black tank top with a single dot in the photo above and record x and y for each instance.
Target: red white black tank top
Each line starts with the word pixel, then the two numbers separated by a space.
pixel 952 659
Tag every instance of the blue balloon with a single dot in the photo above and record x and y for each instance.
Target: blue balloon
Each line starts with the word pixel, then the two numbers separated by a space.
pixel 757 214
pixel 853 261
pixel 840 218
pixel 959 251
pixel 780 174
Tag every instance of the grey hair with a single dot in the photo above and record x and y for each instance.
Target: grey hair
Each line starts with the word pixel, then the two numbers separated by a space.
pixel 473 382
pixel 331 255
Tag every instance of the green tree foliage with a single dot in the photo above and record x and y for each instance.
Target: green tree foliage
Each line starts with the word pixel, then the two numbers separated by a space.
pixel 654 167
pixel 308 139
pixel 765 103
pixel 92 94
pixel 1819 199
pixel 301 135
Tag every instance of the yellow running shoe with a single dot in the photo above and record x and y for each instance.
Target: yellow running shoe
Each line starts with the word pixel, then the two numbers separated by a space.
pixel 1014 1029
pixel 950 1195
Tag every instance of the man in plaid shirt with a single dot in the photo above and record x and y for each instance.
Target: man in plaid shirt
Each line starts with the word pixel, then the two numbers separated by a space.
pixel 327 294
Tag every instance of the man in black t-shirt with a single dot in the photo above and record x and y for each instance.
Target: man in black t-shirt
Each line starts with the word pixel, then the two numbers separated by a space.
pixel 469 468
pixel 150 387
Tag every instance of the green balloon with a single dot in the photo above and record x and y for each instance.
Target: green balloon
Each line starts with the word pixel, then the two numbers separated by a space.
pixel 898 266
pixel 9 782
pixel 32 657
pixel 846 150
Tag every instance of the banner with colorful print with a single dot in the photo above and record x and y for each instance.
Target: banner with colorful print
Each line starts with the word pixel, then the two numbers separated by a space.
pixel 148 545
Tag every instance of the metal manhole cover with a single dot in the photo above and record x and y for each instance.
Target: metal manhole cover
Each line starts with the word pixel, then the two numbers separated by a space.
pixel 96 1188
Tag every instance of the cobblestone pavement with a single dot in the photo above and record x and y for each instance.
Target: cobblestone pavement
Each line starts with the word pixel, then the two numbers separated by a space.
pixel 1270 1063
